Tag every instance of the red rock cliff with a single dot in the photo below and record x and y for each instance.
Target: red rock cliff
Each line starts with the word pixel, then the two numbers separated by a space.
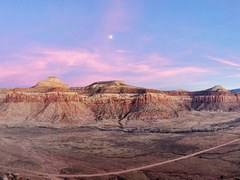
pixel 114 100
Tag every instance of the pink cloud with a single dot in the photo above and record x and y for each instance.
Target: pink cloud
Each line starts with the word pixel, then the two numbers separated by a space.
pixel 84 67
pixel 175 74
pixel 184 71
pixel 224 61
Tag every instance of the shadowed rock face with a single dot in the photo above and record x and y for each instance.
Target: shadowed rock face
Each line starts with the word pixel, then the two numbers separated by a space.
pixel 52 101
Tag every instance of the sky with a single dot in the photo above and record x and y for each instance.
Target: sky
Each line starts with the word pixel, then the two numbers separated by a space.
pixel 161 44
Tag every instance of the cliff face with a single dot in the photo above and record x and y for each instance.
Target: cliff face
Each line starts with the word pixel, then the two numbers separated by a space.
pixel 216 101
pixel 49 107
pixel 107 100
pixel 100 106
pixel 48 97
pixel 150 106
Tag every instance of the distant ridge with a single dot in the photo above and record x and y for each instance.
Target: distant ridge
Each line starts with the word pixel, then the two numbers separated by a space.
pixel 235 91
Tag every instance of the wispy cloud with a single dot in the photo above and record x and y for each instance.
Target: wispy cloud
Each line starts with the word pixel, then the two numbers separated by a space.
pixel 224 61
pixel 81 67
pixel 209 30
pixel 173 74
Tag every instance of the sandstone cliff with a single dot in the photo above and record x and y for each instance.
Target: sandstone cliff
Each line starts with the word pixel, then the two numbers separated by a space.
pixel 53 101
pixel 216 101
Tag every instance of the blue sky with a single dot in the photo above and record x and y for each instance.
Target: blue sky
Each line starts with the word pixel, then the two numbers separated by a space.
pixel 163 44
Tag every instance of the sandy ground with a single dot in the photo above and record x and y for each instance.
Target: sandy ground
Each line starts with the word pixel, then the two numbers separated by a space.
pixel 90 150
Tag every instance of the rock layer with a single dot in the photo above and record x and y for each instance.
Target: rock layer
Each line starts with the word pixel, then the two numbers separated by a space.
pixel 52 101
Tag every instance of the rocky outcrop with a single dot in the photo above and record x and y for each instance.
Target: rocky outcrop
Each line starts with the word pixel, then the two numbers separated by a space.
pixel 11 176
pixel 216 98
pixel 116 87
pixel 217 88
pixel 51 82
pixel 51 101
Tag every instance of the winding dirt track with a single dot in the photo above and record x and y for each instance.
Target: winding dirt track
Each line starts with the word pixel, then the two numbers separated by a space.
pixel 56 176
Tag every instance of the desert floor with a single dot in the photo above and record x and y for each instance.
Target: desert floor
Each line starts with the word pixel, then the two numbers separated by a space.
pixel 90 150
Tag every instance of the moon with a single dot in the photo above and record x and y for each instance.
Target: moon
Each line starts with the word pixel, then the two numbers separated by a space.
pixel 110 36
